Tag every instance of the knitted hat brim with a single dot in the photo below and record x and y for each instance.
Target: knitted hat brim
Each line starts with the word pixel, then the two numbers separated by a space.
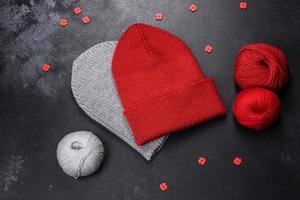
pixel 94 90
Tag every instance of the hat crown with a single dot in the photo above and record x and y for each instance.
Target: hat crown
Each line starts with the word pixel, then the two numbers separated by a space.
pixel 150 62
pixel 160 84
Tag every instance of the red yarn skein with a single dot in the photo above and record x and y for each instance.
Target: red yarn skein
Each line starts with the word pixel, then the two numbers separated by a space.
pixel 256 108
pixel 261 65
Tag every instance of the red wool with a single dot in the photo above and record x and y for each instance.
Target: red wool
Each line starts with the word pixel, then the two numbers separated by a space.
pixel 261 65
pixel 161 86
pixel 256 108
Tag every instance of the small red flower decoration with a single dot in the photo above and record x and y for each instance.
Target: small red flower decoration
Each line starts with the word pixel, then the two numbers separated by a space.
pixel 208 49
pixel 159 16
pixel 163 187
pixel 77 10
pixel 202 161
pixel 237 161
pixel 86 20
pixel 45 67
pixel 193 7
pixel 243 5
pixel 63 22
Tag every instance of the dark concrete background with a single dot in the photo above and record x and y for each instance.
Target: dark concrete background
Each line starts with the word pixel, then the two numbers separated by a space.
pixel 37 109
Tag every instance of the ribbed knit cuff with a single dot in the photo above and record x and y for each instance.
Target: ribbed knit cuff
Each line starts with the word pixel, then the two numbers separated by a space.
pixel 175 111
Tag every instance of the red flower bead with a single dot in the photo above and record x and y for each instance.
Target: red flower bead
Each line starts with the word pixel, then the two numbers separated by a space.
pixel 237 161
pixel 202 161
pixel 159 17
pixel 86 20
pixel 163 187
pixel 243 5
pixel 193 8
pixel 77 10
pixel 45 67
pixel 63 22
pixel 208 49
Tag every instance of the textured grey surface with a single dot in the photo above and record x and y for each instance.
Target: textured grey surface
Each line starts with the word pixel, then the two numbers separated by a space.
pixel 37 109
pixel 94 90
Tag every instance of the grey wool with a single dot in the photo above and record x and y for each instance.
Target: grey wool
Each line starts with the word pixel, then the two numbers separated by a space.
pixel 94 89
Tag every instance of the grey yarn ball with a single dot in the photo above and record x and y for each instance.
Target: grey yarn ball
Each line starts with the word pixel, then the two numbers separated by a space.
pixel 80 153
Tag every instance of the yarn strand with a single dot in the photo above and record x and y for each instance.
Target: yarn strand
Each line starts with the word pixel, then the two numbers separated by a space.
pixel 261 65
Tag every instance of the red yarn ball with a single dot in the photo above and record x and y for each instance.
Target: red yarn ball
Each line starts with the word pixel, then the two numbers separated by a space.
pixel 256 108
pixel 261 65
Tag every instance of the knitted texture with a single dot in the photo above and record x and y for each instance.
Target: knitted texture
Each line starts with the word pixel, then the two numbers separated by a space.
pixel 160 84
pixel 261 65
pixel 256 108
pixel 94 90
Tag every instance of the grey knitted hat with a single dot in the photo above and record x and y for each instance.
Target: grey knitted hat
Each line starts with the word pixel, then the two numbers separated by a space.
pixel 94 90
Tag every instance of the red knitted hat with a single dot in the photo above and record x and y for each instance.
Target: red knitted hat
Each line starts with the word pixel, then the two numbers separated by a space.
pixel 160 84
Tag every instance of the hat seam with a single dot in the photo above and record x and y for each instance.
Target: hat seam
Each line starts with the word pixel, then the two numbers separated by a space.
pixel 144 41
